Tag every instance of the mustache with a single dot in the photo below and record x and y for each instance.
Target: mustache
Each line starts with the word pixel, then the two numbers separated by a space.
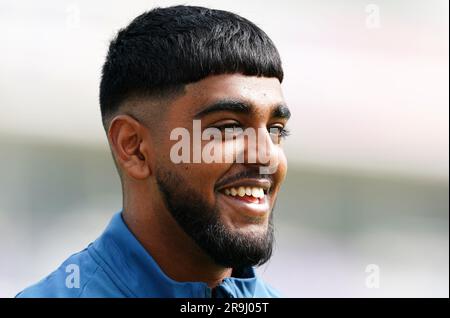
pixel 246 174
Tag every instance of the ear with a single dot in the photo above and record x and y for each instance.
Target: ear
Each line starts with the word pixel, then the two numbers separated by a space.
pixel 130 145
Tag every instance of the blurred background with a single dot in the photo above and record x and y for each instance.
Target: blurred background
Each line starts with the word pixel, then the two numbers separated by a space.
pixel 364 211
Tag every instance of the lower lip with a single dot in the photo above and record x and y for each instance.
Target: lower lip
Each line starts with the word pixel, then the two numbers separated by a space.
pixel 248 205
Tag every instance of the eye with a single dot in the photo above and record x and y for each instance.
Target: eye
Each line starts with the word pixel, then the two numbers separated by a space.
pixel 278 132
pixel 230 129
pixel 227 126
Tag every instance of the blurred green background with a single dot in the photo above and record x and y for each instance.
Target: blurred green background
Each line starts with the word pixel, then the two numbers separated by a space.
pixel 368 155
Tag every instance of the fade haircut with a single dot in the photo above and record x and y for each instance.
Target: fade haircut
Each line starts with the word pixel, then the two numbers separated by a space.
pixel 164 49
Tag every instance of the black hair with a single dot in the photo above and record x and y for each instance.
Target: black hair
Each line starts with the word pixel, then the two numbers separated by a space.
pixel 164 49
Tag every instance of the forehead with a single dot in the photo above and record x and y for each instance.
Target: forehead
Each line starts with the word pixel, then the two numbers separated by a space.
pixel 262 92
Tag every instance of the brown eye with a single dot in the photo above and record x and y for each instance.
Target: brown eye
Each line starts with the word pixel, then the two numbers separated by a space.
pixel 229 126
pixel 278 132
pixel 230 129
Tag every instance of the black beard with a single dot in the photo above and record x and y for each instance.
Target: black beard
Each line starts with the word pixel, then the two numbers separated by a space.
pixel 202 223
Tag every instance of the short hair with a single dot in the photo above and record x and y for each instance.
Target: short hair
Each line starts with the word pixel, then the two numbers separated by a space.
pixel 164 49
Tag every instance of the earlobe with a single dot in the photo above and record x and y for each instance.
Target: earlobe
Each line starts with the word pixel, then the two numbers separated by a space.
pixel 128 144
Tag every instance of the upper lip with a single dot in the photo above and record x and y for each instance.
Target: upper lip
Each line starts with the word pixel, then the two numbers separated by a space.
pixel 258 183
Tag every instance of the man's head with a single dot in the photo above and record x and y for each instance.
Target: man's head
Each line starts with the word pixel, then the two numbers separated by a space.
pixel 177 66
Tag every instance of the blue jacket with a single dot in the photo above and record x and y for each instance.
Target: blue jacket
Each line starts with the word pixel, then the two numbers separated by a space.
pixel 117 265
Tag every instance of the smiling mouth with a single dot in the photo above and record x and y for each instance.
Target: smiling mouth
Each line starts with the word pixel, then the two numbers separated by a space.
pixel 254 195
pixel 247 198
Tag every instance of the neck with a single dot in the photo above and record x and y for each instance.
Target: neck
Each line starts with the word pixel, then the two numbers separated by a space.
pixel 178 256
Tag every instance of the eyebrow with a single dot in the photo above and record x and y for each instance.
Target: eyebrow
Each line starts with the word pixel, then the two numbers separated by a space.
pixel 225 105
pixel 279 111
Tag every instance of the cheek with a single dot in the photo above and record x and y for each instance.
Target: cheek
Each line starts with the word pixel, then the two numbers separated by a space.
pixel 282 167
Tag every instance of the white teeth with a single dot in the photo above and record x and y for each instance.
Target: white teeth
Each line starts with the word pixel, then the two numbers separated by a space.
pixel 255 192
pixel 260 193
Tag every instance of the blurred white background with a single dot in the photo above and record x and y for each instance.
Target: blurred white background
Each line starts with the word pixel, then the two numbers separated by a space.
pixel 367 82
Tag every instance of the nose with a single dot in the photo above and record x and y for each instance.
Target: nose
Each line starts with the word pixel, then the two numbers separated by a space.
pixel 263 152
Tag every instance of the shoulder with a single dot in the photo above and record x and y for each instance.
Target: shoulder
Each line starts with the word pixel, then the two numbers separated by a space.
pixel 78 276
pixel 264 290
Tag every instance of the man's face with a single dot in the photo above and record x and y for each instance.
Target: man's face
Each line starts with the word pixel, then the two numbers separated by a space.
pixel 226 207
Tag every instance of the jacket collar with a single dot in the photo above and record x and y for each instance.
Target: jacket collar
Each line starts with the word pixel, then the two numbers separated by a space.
pixel 137 274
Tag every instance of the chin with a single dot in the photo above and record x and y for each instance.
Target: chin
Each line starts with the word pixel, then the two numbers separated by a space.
pixel 248 226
